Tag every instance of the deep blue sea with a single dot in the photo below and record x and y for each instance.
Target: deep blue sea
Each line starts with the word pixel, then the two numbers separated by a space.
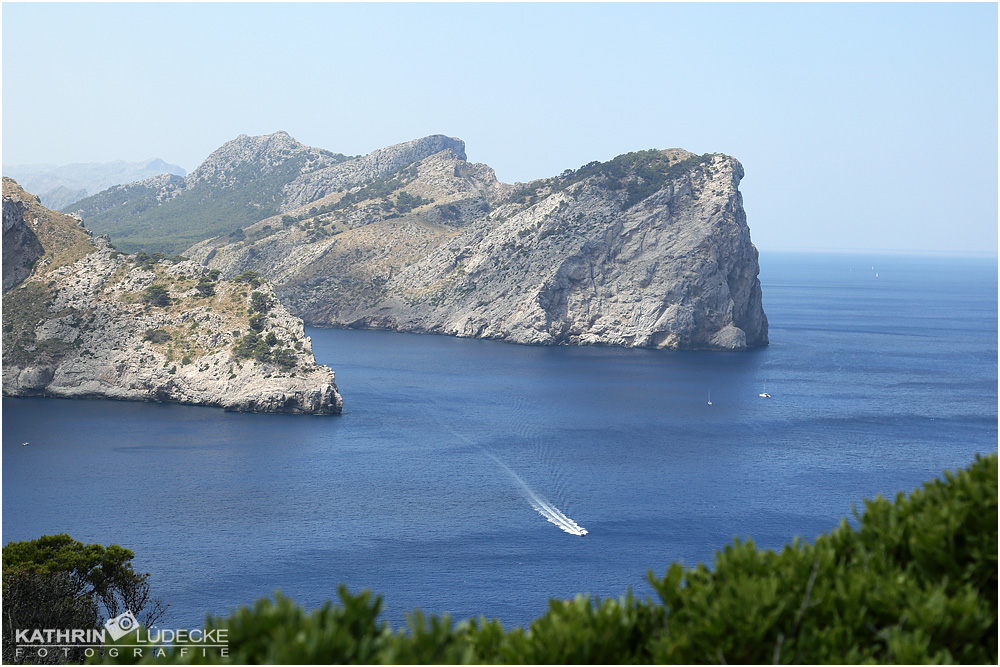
pixel 435 485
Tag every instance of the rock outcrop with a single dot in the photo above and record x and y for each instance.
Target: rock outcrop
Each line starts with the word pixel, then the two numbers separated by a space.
pixel 90 321
pixel 651 249
pixel 21 248
pixel 362 170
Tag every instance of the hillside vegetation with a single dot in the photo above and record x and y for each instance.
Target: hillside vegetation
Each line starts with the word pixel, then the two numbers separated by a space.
pixel 59 186
pixel 140 217
pixel 245 181
pixel 915 581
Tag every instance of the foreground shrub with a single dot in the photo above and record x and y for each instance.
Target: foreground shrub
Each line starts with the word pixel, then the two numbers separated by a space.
pixel 914 582
pixel 57 582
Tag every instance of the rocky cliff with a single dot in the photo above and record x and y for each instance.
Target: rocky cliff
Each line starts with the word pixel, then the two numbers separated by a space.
pixel 21 248
pixel 651 249
pixel 89 321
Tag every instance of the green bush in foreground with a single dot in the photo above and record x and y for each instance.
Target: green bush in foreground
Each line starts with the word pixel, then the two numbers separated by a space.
pixel 915 582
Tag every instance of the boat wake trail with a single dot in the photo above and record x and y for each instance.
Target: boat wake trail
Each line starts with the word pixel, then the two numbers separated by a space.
pixel 550 512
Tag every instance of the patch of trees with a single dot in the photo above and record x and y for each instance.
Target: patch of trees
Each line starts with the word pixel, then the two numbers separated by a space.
pixel 451 213
pixel 258 322
pixel 381 189
pixel 156 295
pixel 250 277
pixel 156 335
pixel 405 202
pixel 640 174
pixel 205 286
pixel 529 194
pixel 147 261
pixel 260 302
pixel 139 220
pixel 914 582
pixel 57 582
pixel 255 345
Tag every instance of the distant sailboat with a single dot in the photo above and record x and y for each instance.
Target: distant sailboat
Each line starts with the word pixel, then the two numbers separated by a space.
pixel 764 393
pixel 709 396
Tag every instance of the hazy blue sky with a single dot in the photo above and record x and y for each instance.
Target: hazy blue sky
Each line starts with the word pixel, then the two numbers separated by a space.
pixel 860 126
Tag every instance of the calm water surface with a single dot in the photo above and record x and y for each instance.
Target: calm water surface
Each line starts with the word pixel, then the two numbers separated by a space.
pixel 426 488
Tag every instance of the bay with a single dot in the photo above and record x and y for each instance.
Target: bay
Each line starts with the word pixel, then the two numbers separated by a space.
pixel 436 485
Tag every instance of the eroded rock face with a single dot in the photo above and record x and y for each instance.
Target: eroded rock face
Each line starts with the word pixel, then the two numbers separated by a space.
pixel 21 248
pixel 84 324
pixel 649 250
pixel 318 184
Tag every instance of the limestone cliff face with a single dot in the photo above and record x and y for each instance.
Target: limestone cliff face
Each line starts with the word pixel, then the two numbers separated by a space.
pixel 651 249
pixel 92 322
pixel 677 270
pixel 21 247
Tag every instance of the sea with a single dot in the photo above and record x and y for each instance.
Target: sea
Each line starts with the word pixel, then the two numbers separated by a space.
pixel 471 477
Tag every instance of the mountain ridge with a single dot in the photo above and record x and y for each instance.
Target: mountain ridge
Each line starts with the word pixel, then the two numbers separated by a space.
pixel 243 181
pixel 60 186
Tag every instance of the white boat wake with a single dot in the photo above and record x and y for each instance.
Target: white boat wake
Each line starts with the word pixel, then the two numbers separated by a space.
pixel 551 513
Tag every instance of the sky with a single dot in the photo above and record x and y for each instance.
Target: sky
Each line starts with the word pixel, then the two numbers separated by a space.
pixel 867 127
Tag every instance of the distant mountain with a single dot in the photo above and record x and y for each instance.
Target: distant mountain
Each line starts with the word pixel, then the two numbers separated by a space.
pixel 246 180
pixel 62 186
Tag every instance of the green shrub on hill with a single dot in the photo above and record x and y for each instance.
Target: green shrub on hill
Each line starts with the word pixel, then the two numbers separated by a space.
pixel 915 581
pixel 156 335
pixel 156 295
pixel 641 174
pixel 260 302
pixel 251 277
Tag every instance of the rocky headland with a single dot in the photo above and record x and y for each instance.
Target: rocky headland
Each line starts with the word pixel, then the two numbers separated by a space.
pixel 651 249
pixel 81 319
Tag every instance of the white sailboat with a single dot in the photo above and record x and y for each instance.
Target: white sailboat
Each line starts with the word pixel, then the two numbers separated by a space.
pixel 764 393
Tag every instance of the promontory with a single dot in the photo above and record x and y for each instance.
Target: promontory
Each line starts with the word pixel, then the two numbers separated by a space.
pixel 81 319
pixel 650 249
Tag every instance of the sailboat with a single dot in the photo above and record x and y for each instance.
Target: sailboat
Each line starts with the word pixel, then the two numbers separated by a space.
pixel 709 396
pixel 764 393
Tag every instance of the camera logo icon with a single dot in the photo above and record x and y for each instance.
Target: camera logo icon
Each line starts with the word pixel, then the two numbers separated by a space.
pixel 121 625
